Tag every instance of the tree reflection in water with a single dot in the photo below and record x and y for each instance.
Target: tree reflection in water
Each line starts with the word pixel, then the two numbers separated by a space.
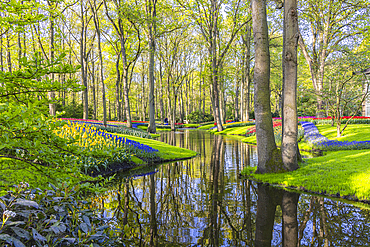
pixel 204 202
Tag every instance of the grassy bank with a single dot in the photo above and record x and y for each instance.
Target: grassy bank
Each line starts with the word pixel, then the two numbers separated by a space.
pixel 166 151
pixel 342 174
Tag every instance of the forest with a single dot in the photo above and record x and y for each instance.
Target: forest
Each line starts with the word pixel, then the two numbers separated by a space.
pixel 86 85
pixel 178 60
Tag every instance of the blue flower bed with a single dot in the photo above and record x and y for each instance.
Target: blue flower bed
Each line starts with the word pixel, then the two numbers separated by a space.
pixel 312 135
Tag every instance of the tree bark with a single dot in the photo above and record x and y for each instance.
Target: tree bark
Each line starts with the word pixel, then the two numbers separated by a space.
pixel 51 94
pixel 83 65
pixel 289 147
pixel 101 73
pixel 266 146
pixel 151 14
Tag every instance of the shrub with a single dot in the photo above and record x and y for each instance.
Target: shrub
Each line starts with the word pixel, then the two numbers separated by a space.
pixel 55 217
pixel 197 117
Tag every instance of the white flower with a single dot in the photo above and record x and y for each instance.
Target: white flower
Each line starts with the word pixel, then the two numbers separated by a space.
pixel 9 213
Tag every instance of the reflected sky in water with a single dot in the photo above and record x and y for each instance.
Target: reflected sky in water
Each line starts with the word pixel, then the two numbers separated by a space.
pixel 204 202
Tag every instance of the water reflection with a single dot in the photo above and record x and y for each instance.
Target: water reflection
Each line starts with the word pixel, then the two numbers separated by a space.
pixel 204 202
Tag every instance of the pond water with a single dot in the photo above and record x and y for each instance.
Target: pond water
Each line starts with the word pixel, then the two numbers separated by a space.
pixel 204 202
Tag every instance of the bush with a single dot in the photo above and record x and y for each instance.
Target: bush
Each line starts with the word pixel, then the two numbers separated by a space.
pixel 74 110
pixel 55 217
pixel 197 117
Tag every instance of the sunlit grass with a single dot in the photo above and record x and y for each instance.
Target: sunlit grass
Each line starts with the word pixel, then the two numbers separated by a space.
pixel 234 130
pixel 206 127
pixel 353 132
pixel 166 151
pixel 344 172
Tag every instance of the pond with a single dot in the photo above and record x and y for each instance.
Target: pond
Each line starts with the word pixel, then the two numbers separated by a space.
pixel 204 202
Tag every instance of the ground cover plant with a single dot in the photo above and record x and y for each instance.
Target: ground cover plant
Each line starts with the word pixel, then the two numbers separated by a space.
pixel 53 217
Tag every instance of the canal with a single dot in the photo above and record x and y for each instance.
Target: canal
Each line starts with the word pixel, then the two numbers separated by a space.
pixel 204 202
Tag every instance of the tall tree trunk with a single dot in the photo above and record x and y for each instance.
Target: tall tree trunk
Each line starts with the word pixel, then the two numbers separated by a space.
pixel 236 103
pixel 215 68
pixel 1 52
pixel 83 65
pixel 266 147
pixel 161 92
pixel 151 13
pixel 51 94
pixel 289 144
pixel 247 73
pixel 9 60
pixel 125 80
pixel 101 69
pixel 118 82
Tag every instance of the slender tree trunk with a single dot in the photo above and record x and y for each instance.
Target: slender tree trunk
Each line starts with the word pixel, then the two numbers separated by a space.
pixel 118 82
pixel 266 147
pixel 247 72
pixel 83 65
pixel 9 60
pixel 151 13
pixel 51 94
pixel 101 73
pixel 1 53
pixel 236 104
pixel 290 120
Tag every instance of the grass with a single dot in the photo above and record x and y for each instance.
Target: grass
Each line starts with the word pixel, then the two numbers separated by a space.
pixel 233 130
pixel 190 125
pixel 344 172
pixel 206 127
pixel 354 132
pixel 166 151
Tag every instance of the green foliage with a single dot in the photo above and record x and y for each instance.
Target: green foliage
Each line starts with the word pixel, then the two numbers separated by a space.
pixel 53 217
pixel 197 117
pixel 74 110
pixel 26 138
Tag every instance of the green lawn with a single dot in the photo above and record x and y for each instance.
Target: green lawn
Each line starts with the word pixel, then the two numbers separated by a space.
pixel 166 151
pixel 353 132
pixel 344 172
pixel 206 127
pixel 233 130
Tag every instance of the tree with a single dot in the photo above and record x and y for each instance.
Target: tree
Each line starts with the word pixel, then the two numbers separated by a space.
pixel 207 16
pixel 347 86
pixel 151 15
pixel 289 145
pixel 329 26
pixel 266 146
